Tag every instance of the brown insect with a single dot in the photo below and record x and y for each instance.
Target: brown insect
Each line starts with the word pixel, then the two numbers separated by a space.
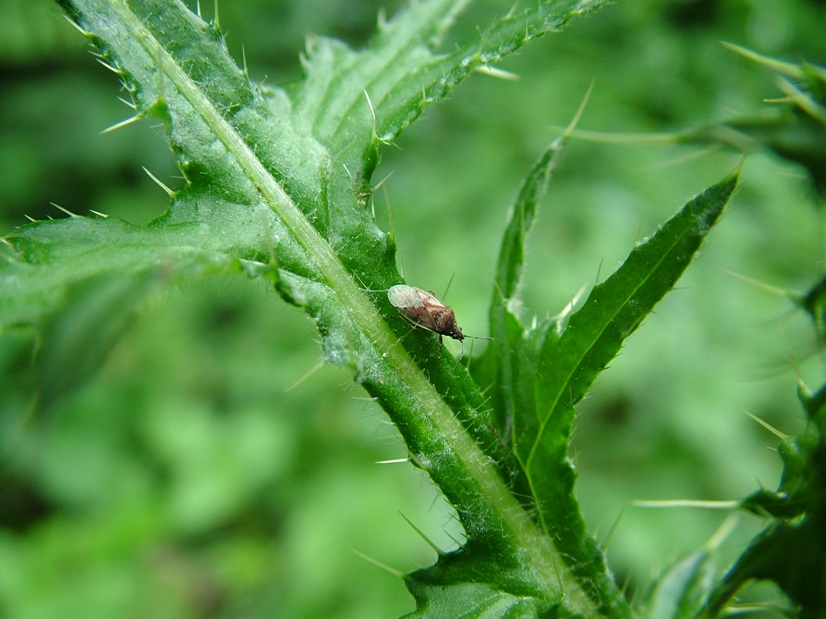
pixel 424 310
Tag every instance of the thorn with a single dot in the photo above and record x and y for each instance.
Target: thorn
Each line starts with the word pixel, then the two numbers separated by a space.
pixel 76 25
pixel 575 120
pixel 783 100
pixel 801 99
pixel 112 68
pixel 198 8
pixel 496 72
pixel 160 183
pixel 607 539
pixel 101 215
pixel 383 180
pixel 394 461
pixel 722 532
pixel 782 436
pixel 319 364
pixel 785 68
pixel 696 155
pixel 425 99
pixel 122 123
pixel 216 20
pixel 372 113
pixel 67 211
pixel 128 103
pixel 364 398
pixel 780 292
pixel 569 308
pixel 455 540
pixel 688 503
pixel 244 59
pixel 427 540
pixel 379 564
pixel 390 220
pixel 601 137
pixel 31 219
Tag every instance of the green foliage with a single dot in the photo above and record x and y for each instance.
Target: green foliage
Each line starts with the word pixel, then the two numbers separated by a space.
pixel 278 187
pixel 795 129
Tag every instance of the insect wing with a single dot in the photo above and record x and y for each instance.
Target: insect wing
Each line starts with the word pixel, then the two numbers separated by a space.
pixel 416 304
pixel 401 296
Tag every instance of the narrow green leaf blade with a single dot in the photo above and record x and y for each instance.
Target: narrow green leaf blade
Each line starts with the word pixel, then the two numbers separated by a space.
pixel 616 307
pixel 510 265
pixel 568 365
pixel 510 362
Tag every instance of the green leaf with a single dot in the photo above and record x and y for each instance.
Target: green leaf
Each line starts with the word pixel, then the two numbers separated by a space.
pixel 278 184
pixel 616 307
pixel 540 373
pixel 472 583
pixel 682 591
pixel 794 130
pixel 511 361
pixel 51 256
pixel 92 321
pixel 569 364
pixel 791 551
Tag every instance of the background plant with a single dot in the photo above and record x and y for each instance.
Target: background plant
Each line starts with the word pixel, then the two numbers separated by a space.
pixel 205 493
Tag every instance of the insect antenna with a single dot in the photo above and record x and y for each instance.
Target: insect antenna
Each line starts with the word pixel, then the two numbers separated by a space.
pixel 447 288
pixel 462 342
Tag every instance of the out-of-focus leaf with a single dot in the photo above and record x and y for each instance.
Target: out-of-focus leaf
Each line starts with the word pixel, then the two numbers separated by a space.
pixel 796 130
pixel 792 549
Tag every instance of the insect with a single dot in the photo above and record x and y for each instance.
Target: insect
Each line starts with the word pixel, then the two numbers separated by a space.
pixel 424 310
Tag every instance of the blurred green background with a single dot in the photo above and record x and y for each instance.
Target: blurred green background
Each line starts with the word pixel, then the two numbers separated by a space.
pixel 196 475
